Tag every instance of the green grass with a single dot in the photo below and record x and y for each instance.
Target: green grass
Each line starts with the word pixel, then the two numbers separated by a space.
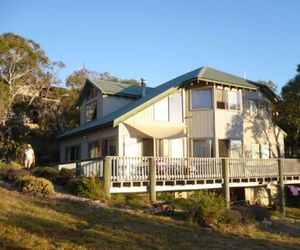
pixel 28 222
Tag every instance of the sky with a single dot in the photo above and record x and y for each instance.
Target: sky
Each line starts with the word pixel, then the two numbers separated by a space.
pixel 162 39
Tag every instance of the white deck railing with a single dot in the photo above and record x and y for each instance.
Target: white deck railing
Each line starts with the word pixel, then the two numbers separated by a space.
pixel 138 168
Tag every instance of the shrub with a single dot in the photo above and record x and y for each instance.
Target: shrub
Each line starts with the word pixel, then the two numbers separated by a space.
pixel 65 175
pixel 15 165
pixel 86 187
pixel 131 200
pixel 202 207
pixel 117 200
pixel 231 216
pixel 48 173
pixel 31 184
pixel 11 174
pixel 15 174
pixel 166 196
pixel 134 201
pixel 254 213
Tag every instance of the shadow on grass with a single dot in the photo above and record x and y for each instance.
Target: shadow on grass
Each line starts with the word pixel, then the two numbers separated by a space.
pixel 76 222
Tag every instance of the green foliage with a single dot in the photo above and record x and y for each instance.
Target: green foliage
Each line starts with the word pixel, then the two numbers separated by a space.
pixel 48 173
pixel 123 200
pixel 86 187
pixel 117 200
pixel 203 206
pixel 135 201
pixel 15 174
pixel 289 115
pixel 233 217
pixel 254 213
pixel 31 184
pixel 10 172
pixel 166 196
pixel 65 175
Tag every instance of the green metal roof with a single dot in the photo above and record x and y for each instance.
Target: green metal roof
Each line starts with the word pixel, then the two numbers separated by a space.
pixel 156 94
pixel 112 88
pixel 214 75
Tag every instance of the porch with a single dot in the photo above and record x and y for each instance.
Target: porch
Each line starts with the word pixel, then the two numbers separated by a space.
pixel 138 174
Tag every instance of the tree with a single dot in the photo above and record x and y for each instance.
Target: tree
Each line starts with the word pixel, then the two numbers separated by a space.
pixel 289 116
pixel 77 79
pixel 272 85
pixel 24 70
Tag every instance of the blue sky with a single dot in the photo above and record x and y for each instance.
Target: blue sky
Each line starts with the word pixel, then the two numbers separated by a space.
pixel 162 39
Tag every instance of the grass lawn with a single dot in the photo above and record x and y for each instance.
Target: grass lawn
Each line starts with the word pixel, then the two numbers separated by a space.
pixel 28 222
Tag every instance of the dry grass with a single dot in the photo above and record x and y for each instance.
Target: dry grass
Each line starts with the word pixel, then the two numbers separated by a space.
pixel 28 222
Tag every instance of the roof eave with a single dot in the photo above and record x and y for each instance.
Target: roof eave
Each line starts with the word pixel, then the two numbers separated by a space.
pixel 102 126
pixel 229 84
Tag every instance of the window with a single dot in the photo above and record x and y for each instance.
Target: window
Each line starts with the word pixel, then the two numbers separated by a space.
pixel 169 109
pixel 202 148
pixel 253 107
pixel 112 147
pixel 235 148
pixel 201 98
pixel 91 111
pixel 234 100
pixel 94 149
pixel 228 99
pixel 73 153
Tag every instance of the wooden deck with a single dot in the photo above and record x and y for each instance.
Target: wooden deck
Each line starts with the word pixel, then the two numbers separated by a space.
pixel 132 174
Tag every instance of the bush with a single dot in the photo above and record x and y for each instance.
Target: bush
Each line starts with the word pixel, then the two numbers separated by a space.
pixel 65 175
pixel 131 200
pixel 254 213
pixel 15 174
pixel 48 173
pixel 134 201
pixel 86 187
pixel 117 200
pixel 11 174
pixel 166 196
pixel 231 216
pixel 202 207
pixel 31 184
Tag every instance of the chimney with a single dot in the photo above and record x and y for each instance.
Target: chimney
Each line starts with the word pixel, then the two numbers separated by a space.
pixel 143 83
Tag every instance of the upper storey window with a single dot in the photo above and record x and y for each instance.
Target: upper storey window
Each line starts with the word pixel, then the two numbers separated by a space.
pixel 201 98
pixel 228 99
pixel 169 109
pixel 91 111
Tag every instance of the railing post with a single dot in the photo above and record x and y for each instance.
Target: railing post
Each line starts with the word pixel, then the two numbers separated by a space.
pixel 225 168
pixel 107 176
pixel 152 179
pixel 281 187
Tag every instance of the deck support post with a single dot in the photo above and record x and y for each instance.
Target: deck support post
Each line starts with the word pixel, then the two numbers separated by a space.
pixel 226 189
pixel 107 177
pixel 152 181
pixel 281 187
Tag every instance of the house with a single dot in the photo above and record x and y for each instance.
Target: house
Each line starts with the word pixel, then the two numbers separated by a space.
pixel 203 113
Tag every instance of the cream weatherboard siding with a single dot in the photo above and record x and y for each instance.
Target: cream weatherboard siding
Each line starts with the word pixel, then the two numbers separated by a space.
pixel 85 139
pixel 113 103
pixel 201 123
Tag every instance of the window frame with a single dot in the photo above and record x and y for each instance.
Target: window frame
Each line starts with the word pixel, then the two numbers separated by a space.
pixel 202 139
pixel 201 89
pixel 94 116
pixel 77 155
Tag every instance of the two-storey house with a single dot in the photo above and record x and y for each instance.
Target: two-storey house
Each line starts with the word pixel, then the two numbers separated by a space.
pixel 203 113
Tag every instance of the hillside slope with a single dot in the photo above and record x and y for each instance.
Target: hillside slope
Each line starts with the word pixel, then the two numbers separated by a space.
pixel 28 222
